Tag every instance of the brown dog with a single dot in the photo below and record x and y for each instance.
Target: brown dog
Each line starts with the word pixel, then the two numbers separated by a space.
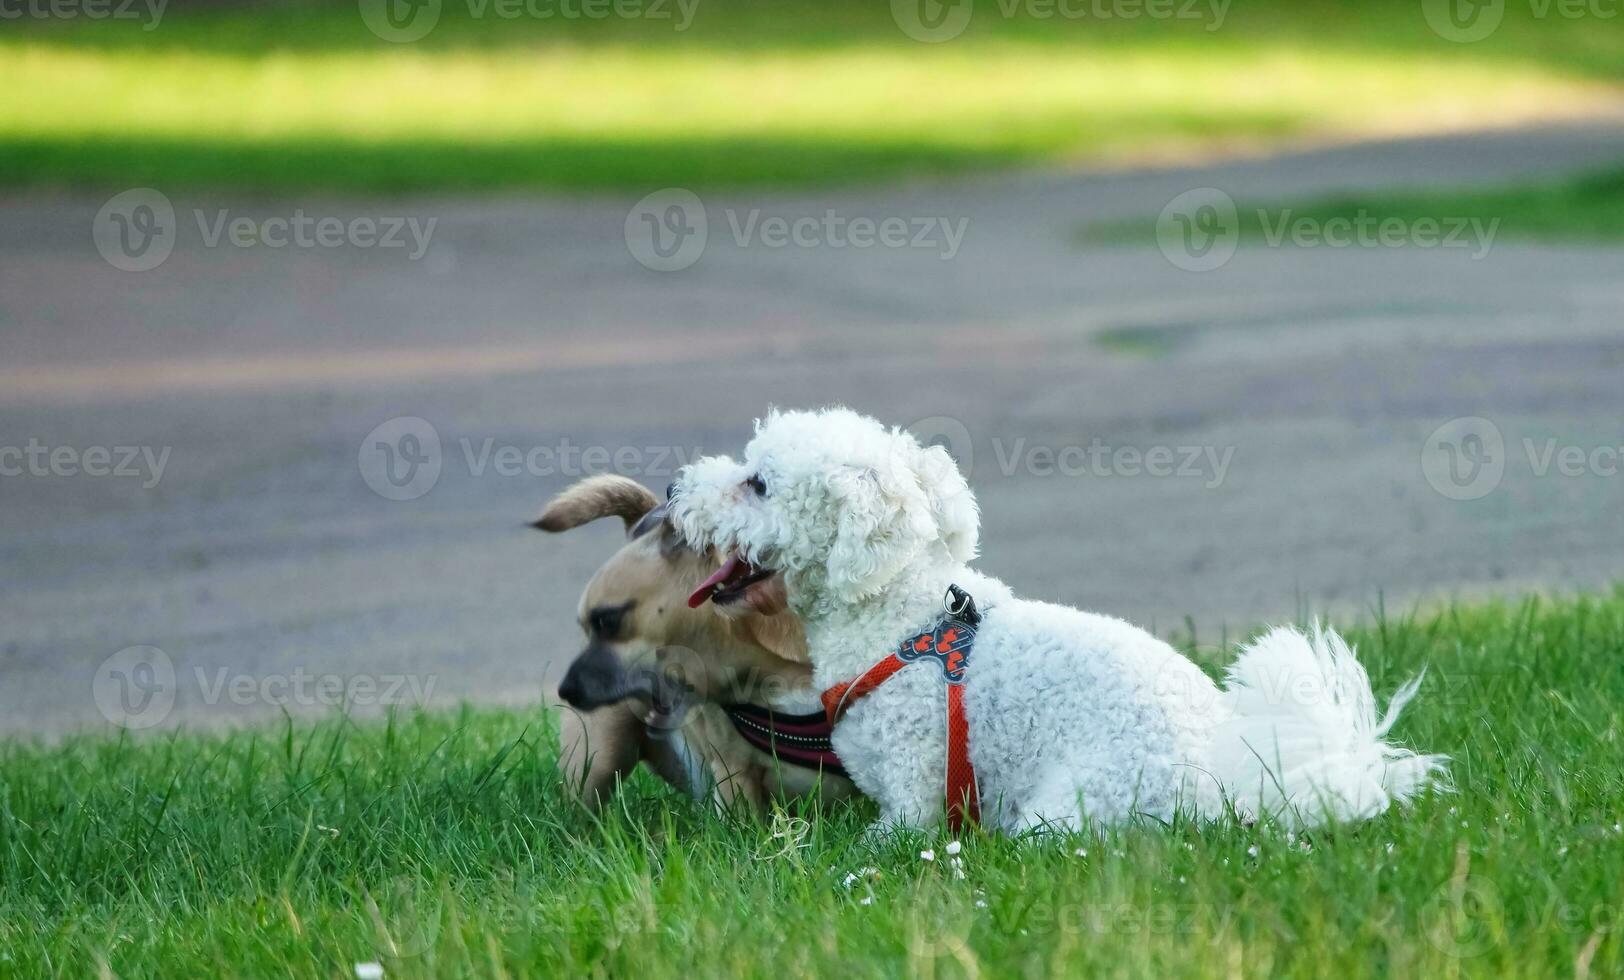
pixel 717 700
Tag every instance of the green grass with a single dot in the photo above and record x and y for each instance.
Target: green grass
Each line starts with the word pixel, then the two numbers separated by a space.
pixel 297 95
pixel 1588 208
pixel 442 845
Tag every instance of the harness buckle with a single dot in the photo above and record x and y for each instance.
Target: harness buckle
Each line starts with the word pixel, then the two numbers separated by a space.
pixel 959 604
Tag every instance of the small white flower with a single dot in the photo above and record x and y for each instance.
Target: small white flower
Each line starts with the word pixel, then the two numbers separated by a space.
pixel 1618 828
pixel 927 855
pixel 859 875
pixel 958 868
pixel 1252 851
pixel 866 900
pixel 1452 811
pixel 1181 879
pixel 369 971
pixel 1081 852
pixel 1389 847
pixel 981 903
pixel 329 831
pixel 1464 824
pixel 953 847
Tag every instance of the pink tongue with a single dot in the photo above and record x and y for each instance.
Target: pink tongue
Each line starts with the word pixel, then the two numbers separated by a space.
pixel 702 594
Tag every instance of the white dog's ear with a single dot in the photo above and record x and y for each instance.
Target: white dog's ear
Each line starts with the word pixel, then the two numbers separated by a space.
pixel 952 504
pixel 881 525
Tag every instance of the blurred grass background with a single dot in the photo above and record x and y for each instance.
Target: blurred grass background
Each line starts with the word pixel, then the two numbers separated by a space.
pixel 753 92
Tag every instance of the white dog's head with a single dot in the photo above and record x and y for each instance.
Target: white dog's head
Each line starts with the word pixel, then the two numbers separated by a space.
pixel 831 500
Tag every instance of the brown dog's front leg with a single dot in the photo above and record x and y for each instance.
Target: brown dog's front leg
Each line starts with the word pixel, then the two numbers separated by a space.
pixel 597 749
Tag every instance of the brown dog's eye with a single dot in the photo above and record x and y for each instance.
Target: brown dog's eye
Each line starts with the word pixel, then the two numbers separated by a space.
pixel 605 621
pixel 757 484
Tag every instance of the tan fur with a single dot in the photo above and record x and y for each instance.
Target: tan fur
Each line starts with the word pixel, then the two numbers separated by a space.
pixel 598 496
pixel 721 657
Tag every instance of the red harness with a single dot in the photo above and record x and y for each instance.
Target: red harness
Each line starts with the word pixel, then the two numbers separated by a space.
pixel 948 643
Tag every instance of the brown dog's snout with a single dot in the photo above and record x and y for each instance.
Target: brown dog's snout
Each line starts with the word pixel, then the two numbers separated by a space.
pixel 596 678
pixel 599 678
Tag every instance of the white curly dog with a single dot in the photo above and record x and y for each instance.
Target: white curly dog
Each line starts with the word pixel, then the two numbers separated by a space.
pixel 1073 718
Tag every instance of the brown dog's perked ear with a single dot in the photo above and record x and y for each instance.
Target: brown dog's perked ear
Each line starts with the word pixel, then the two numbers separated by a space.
pixel 598 496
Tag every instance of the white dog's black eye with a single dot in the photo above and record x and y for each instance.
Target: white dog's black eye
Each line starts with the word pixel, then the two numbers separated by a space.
pixel 757 484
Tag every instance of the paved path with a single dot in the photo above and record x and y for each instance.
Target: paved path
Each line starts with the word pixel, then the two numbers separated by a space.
pixel 1292 391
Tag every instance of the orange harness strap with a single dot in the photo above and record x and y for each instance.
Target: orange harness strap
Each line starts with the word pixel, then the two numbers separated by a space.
pixel 948 643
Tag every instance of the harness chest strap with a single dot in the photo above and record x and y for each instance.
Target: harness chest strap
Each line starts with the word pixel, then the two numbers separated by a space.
pixel 948 644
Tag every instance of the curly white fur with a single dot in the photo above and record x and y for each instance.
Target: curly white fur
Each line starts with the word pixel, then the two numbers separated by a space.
pixel 1074 717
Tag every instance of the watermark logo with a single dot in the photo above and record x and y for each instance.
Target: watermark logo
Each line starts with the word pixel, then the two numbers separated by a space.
pixel 404 926
pixel 135 687
pixel 1463 21
pixel 932 21
pixel 1466 21
pixel 401 459
pixel 1365 230
pixel 952 435
pixel 152 11
pixel 403 21
pixel 1199 230
pixel 136 230
pixel 1461 917
pixel 400 21
pixel 36 459
pixel 1465 458
pixel 669 229
pixel 666 231
pixel 1020 455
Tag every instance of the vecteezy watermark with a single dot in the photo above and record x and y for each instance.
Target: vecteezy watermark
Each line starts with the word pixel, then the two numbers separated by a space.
pixel 1199 230
pixel 152 11
pixel 1466 458
pixel 403 21
pixel 36 459
pixel 1365 230
pixel 403 458
pixel 135 231
pixel 400 459
pixel 668 230
pixel 137 688
pixel 1017 455
pixel 934 21
pixel 1467 915
pixel 1465 21
pixel 1210 464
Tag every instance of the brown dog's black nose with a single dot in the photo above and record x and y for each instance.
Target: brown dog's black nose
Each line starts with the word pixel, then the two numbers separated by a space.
pixel 595 679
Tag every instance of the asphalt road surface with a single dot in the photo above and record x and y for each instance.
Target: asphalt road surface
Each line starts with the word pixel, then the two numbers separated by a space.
pixel 1255 442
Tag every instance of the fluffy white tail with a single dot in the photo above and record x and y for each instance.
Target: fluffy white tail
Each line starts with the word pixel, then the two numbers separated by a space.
pixel 1301 740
